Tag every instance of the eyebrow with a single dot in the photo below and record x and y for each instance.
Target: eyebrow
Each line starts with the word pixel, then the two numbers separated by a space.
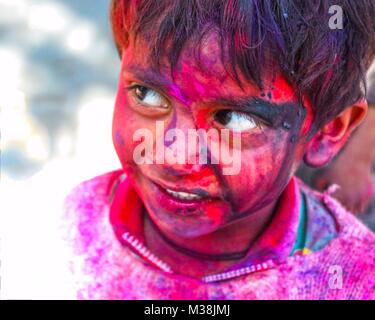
pixel 148 76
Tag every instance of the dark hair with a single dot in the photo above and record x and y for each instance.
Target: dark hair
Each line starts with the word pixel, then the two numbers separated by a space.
pixel 326 65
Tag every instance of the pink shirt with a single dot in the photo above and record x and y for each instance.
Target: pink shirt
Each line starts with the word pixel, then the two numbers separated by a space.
pixel 110 260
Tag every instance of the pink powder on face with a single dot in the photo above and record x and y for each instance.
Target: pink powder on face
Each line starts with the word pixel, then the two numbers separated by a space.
pixel 193 95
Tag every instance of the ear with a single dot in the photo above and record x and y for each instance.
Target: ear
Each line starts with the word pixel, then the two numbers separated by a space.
pixel 328 141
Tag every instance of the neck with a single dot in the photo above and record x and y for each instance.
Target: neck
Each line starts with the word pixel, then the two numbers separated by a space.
pixel 209 253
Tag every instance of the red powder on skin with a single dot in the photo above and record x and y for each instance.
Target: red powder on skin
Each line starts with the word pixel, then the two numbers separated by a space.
pixel 284 92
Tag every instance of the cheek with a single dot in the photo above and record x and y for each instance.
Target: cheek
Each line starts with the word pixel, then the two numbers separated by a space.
pixel 125 124
pixel 259 167
pixel 265 170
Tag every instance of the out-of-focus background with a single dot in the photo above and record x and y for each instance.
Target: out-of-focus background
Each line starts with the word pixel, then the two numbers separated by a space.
pixel 58 75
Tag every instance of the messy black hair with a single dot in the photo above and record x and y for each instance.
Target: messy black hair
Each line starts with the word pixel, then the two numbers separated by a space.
pixel 325 64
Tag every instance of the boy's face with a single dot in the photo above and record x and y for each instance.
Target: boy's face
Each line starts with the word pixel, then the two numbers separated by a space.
pixel 269 125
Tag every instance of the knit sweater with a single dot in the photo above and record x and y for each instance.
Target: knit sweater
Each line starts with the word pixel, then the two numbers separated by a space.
pixel 340 263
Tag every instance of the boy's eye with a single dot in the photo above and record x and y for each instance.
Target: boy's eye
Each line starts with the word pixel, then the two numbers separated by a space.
pixel 236 121
pixel 149 97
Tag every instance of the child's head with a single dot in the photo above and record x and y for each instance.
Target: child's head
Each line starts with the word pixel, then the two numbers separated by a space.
pixel 271 72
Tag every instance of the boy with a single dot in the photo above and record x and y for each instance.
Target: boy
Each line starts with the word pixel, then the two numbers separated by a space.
pixel 274 85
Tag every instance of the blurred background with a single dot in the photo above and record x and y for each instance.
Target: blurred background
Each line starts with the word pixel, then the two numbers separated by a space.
pixel 58 80
pixel 58 77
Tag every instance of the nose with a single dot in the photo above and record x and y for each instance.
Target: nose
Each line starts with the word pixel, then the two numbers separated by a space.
pixel 186 158
pixel 180 145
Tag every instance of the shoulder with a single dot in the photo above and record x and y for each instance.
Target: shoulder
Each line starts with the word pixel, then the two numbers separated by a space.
pixel 91 249
pixel 346 221
pixel 85 208
pixel 98 187
pixel 351 252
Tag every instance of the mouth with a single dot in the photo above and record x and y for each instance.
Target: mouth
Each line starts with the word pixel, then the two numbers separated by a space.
pixel 186 196
pixel 181 201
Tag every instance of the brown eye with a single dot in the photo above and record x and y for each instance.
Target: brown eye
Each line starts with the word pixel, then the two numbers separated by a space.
pixel 149 97
pixel 236 121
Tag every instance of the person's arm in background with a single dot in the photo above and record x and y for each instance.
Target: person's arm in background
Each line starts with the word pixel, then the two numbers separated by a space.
pixel 352 169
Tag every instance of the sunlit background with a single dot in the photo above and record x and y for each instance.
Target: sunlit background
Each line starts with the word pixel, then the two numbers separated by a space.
pixel 58 74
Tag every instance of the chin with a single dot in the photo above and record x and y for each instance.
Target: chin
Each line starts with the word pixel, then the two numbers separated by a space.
pixel 180 225
pixel 187 218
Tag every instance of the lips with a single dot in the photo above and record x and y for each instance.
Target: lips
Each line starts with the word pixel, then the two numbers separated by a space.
pixel 182 201
pixel 183 195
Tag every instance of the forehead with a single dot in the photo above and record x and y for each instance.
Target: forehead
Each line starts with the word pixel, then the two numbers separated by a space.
pixel 201 79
